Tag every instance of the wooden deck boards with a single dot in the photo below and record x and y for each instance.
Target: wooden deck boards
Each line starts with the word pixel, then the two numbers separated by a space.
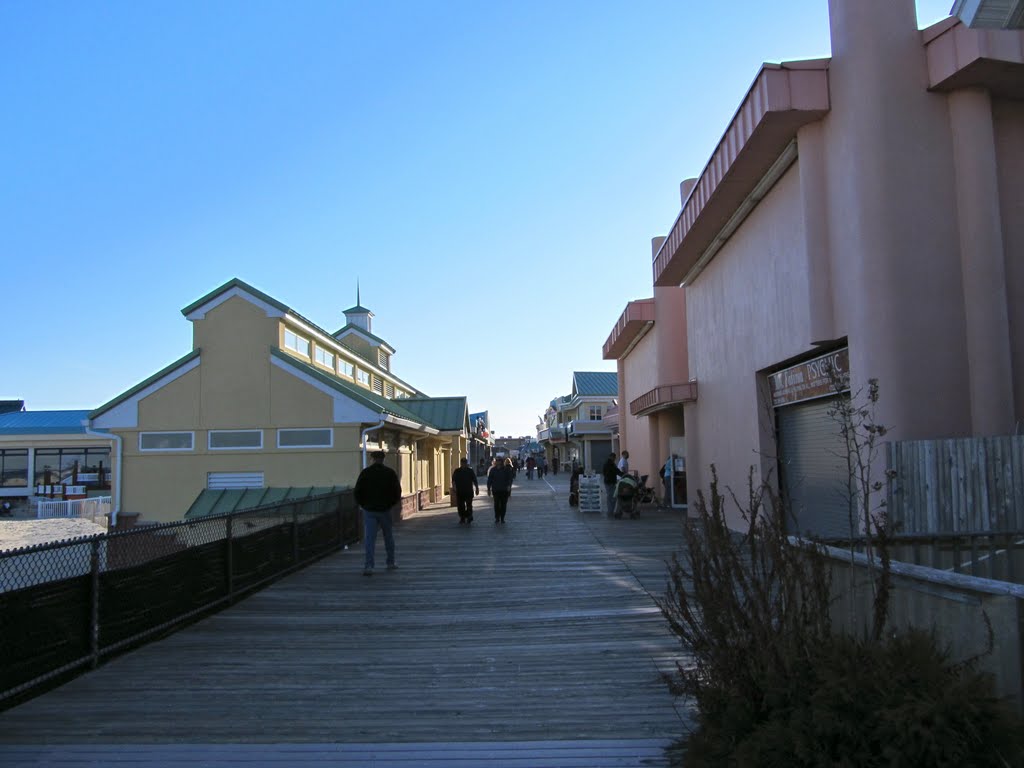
pixel 541 631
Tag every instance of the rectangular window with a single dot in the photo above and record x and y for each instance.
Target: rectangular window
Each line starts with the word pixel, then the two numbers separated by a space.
pixel 225 439
pixel 71 466
pixel 363 377
pixel 325 358
pixel 595 413
pixel 345 368
pixel 382 359
pixel 305 438
pixel 295 342
pixel 166 441
pixel 389 389
pixel 14 468
pixel 378 385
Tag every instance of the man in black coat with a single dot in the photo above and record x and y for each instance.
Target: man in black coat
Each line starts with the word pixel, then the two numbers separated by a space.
pixel 499 485
pixel 466 487
pixel 377 491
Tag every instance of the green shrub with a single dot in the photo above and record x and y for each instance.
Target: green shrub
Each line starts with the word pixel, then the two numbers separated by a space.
pixel 773 683
pixel 860 703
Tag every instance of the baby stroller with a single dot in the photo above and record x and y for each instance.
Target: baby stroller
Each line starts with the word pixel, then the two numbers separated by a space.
pixel 645 494
pixel 626 497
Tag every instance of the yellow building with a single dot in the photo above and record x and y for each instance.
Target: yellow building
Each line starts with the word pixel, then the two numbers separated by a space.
pixel 267 399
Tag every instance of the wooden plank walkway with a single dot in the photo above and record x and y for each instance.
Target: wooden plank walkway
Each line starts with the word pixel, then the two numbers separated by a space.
pixel 532 643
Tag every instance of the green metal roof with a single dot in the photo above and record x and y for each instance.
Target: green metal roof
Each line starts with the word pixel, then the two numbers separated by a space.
pixel 241 284
pixel 361 395
pixel 595 383
pixel 444 413
pixel 143 384
pixel 221 502
pixel 235 283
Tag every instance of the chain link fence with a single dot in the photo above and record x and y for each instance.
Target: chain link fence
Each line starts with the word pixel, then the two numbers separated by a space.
pixel 66 605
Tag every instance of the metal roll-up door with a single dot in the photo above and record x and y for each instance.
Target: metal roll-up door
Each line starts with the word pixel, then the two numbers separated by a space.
pixel 813 469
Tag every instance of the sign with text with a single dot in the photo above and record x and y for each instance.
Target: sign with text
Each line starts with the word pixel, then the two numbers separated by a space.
pixel 811 379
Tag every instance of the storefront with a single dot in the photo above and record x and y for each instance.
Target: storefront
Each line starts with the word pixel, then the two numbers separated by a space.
pixel 813 470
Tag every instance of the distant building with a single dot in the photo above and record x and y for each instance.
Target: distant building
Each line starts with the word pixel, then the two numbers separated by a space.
pixel 574 425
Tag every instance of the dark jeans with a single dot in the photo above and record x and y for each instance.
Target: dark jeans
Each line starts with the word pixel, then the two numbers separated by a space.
pixel 464 501
pixel 500 503
pixel 371 522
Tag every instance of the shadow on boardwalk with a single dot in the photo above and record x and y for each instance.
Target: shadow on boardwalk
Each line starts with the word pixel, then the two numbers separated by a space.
pixel 532 643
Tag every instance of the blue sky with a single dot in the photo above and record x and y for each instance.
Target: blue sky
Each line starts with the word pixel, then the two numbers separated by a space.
pixel 490 171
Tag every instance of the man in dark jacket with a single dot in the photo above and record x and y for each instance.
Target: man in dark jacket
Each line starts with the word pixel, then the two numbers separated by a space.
pixel 466 487
pixel 499 485
pixel 377 491
pixel 610 474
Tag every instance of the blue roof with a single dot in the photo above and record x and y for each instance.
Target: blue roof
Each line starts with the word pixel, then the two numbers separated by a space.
pixel 42 422
pixel 601 383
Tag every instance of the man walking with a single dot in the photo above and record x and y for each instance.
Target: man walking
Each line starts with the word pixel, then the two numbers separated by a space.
pixel 499 485
pixel 377 491
pixel 610 474
pixel 466 487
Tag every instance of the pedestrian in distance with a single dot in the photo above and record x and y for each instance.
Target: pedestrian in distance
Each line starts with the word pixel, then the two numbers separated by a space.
pixel 610 475
pixel 377 492
pixel 531 464
pixel 499 486
pixel 466 487
pixel 623 464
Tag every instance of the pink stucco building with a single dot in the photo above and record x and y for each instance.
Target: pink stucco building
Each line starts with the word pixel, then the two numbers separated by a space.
pixel 868 209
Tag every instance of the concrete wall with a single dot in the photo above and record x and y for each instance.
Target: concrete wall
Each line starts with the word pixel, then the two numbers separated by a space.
pixel 747 310
pixel 954 605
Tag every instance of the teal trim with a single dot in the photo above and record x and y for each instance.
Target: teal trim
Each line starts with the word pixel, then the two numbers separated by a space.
pixel 363 332
pixel 363 396
pixel 142 385
pixel 234 283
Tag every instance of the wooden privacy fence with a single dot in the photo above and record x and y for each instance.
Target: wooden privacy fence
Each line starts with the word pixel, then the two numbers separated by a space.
pixel 957 485
pixel 66 605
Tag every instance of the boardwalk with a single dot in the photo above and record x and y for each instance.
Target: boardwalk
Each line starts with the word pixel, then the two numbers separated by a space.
pixel 533 643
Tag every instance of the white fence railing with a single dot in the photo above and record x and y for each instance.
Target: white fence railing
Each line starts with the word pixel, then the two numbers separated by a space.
pixel 60 490
pixel 96 509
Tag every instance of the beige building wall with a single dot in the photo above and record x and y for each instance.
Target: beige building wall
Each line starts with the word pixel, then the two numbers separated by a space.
pixel 640 374
pixel 747 310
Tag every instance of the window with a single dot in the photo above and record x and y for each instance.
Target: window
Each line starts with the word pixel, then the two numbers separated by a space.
pixel 345 368
pixel 324 357
pixel 595 413
pixel 305 438
pixel 382 359
pixel 14 468
pixel 363 377
pixel 297 343
pixel 71 466
pixel 378 385
pixel 389 389
pixel 224 439
pixel 165 441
